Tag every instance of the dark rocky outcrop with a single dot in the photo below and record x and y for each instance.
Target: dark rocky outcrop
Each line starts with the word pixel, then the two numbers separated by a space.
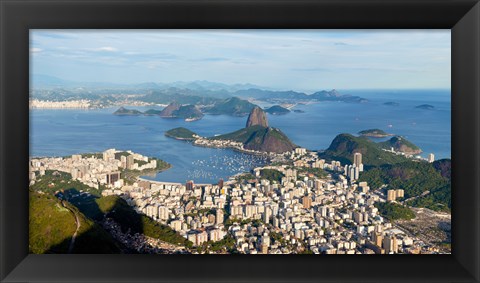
pixel 257 117
pixel 170 109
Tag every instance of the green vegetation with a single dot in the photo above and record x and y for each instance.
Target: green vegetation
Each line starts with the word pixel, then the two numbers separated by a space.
pixel 52 226
pixel 242 135
pixel 174 110
pixel 394 211
pixel 272 175
pixel 439 199
pixel 277 110
pixel 127 112
pixel 161 165
pixel 374 133
pixel 180 134
pixel 413 177
pixel 54 181
pixel 152 112
pixel 317 172
pixel 119 154
pixel 400 144
pixel 188 111
pixel 227 244
pixel 96 155
pixel 277 238
pixel 260 138
pixel 344 146
pixel 129 220
pixel 141 162
pixel 245 177
pixel 444 166
pixel 232 106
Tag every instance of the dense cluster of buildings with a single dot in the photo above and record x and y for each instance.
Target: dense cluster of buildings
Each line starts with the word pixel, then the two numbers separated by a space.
pixel 329 213
pixel 94 170
pixel 83 103
pixel 238 146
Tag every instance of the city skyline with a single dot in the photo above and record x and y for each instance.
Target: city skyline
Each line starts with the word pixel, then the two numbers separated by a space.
pixel 302 60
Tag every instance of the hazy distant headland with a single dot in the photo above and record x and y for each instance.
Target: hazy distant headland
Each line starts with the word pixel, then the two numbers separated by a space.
pixel 208 97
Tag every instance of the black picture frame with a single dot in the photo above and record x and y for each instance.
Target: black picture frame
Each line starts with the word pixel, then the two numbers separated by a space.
pixel 18 16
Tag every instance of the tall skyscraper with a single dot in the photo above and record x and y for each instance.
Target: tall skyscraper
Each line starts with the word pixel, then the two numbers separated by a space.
pixel 390 244
pixel 391 195
pixel 431 157
pixel 130 161
pixel 189 185
pixel 357 159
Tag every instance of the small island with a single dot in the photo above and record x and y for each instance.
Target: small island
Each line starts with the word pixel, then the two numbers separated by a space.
pixel 181 134
pixel 392 103
pixel 188 112
pixel 374 133
pixel 127 112
pixel 277 110
pixel 425 107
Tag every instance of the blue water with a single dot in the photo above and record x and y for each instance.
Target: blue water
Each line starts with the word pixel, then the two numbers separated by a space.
pixel 66 132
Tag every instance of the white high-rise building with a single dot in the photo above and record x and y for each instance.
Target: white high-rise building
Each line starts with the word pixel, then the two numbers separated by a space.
pixel 357 159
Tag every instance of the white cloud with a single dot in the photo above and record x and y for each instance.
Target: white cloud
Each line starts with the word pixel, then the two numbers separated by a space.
pixel 35 50
pixel 107 49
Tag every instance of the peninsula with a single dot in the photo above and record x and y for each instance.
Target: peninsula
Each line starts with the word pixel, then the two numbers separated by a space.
pixel 257 137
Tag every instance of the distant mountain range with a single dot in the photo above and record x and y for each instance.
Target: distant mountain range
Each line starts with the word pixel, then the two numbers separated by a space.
pixel 173 110
pixel 196 92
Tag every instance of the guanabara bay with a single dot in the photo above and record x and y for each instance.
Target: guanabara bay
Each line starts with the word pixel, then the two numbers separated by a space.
pixel 240 142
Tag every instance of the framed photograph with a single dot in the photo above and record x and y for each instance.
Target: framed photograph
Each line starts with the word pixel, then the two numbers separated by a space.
pixel 221 141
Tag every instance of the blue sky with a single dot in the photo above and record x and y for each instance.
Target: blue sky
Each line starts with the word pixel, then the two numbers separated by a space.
pixel 304 60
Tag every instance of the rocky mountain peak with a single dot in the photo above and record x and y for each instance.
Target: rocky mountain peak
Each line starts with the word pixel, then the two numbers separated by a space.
pixel 257 117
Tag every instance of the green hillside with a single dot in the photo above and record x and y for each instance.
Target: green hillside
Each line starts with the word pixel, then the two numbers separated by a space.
pixel 242 135
pixel 188 111
pixel 344 146
pixel 415 178
pixel 277 110
pixel 394 211
pixel 53 224
pixel 127 112
pixel 400 144
pixel 232 106
pixel 128 218
pixel 261 139
pixel 152 112
pixel 377 133
pixel 180 134
pixel 54 181
pixel 50 224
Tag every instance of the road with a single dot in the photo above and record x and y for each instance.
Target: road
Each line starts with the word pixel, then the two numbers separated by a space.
pixel 72 242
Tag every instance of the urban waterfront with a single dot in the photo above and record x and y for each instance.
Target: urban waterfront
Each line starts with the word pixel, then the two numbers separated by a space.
pixel 62 132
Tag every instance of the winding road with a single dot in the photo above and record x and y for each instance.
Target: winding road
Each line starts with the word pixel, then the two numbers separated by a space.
pixel 72 242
